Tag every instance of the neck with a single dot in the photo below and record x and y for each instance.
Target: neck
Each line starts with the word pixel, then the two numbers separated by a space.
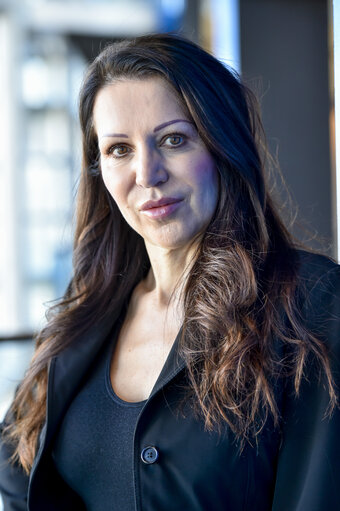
pixel 168 273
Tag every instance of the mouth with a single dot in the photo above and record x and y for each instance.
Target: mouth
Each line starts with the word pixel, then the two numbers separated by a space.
pixel 160 208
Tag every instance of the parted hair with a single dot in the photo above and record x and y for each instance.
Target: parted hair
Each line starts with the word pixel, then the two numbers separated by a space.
pixel 241 291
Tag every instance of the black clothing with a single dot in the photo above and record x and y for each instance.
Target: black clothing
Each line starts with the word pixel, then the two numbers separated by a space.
pixel 293 468
pixel 93 448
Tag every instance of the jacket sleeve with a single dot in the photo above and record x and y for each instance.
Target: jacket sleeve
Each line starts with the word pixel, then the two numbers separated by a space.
pixel 13 480
pixel 308 469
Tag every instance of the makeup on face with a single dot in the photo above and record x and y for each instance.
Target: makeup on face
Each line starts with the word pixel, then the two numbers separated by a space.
pixel 153 162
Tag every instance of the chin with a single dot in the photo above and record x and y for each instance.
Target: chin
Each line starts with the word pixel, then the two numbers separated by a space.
pixel 174 241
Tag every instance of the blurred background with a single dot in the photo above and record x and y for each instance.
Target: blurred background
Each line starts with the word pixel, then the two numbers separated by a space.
pixel 283 50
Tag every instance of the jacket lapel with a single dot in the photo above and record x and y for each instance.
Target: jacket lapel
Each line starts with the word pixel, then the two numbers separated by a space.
pixel 173 365
pixel 69 368
pixel 65 374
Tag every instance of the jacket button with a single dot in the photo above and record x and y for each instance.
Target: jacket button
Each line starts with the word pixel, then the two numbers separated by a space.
pixel 149 454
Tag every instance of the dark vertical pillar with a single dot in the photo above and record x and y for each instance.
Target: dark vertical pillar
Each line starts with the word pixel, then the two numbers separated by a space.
pixel 190 22
pixel 284 44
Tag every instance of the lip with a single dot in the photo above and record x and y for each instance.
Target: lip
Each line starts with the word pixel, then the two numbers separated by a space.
pixel 164 201
pixel 160 208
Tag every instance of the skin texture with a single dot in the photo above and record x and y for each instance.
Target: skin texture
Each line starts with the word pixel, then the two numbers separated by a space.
pixel 146 165
pixel 150 149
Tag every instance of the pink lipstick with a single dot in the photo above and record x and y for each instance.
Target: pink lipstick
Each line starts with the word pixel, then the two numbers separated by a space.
pixel 160 208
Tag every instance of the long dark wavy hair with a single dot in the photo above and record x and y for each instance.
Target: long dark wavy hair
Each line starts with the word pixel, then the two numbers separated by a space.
pixel 240 294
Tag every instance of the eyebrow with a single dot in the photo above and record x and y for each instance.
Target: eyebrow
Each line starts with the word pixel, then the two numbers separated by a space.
pixel 157 128
pixel 161 126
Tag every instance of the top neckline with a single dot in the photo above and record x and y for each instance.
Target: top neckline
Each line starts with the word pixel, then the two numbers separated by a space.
pixel 108 383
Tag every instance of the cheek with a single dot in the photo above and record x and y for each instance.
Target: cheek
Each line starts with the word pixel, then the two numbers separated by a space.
pixel 205 177
pixel 114 185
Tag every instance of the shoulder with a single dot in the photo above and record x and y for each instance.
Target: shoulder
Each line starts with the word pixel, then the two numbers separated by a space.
pixel 318 286
pixel 313 267
pixel 318 276
pixel 309 459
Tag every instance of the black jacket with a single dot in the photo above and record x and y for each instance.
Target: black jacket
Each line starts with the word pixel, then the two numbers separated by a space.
pixel 293 468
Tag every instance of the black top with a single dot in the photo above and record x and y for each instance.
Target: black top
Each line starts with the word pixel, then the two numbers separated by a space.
pixel 93 451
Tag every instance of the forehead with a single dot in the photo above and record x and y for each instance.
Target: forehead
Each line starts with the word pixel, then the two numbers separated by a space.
pixel 128 103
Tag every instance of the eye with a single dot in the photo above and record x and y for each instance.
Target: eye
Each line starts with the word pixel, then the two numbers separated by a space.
pixel 174 140
pixel 119 151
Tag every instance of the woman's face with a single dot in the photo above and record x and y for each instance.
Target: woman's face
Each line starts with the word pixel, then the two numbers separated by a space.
pixel 153 162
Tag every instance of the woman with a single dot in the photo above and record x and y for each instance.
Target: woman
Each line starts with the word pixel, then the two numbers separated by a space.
pixel 192 361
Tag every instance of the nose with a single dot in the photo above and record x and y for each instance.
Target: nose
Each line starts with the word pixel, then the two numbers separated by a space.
pixel 149 168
